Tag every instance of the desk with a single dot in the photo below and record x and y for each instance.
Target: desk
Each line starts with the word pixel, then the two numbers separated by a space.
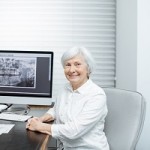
pixel 21 139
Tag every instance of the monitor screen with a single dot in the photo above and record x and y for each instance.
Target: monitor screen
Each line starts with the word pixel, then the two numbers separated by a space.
pixel 26 74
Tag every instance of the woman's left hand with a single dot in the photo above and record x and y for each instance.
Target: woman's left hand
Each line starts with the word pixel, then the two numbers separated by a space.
pixel 35 124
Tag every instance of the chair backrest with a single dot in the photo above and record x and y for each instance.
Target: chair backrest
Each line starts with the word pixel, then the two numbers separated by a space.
pixel 125 119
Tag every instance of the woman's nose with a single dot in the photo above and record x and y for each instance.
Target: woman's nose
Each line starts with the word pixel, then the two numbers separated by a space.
pixel 72 68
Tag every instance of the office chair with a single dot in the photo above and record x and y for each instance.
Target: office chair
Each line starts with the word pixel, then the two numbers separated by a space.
pixel 125 119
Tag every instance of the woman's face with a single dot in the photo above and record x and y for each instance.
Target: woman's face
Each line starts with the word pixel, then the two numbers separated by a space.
pixel 76 71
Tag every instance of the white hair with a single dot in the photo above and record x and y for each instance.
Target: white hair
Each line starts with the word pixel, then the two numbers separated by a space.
pixel 82 51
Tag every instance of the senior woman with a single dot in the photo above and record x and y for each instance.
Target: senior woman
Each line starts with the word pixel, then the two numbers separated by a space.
pixel 80 108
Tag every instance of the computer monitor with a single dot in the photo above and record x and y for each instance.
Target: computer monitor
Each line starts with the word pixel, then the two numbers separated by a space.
pixel 26 77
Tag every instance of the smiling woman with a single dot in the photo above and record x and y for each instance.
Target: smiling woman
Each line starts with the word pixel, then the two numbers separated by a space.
pixel 80 108
pixel 76 71
pixel 76 68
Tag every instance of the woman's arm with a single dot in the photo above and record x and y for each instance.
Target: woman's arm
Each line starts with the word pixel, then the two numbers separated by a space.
pixel 46 118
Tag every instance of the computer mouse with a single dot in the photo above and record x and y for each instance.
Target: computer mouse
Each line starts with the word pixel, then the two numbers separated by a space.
pixel 3 106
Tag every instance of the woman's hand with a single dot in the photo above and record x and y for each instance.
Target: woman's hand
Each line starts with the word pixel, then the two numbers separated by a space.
pixel 35 124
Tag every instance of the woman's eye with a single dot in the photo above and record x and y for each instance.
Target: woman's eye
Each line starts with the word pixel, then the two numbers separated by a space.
pixel 78 64
pixel 67 65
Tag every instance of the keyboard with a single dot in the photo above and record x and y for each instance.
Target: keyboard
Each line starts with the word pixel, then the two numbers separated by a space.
pixel 14 117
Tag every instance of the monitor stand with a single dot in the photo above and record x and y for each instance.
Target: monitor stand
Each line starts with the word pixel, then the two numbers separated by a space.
pixel 18 109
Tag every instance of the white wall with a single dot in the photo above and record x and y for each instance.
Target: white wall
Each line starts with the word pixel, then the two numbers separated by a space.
pixel 143 73
pixel 126 44
pixel 133 54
